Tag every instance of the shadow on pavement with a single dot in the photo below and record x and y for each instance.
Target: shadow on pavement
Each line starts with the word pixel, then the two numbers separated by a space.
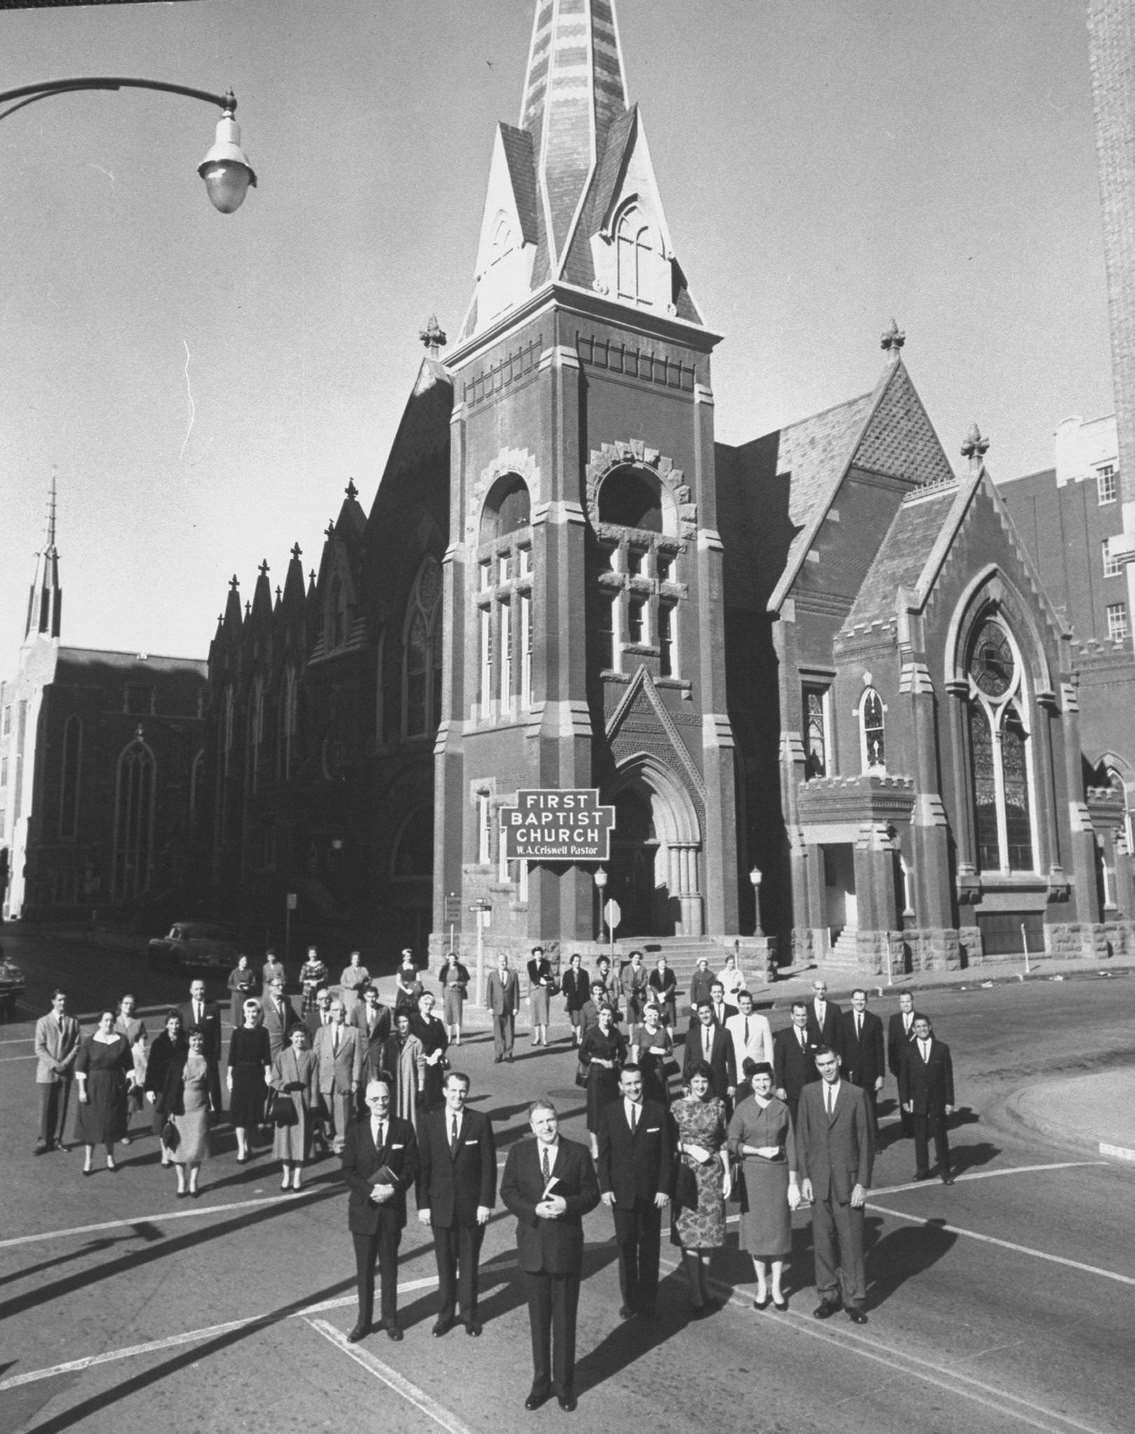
pixel 902 1255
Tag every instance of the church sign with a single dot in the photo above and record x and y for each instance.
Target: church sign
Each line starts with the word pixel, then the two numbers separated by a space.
pixel 557 824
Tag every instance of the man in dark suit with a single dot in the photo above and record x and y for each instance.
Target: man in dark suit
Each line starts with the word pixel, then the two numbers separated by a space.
pixel 711 1043
pixel 823 1017
pixel 380 1162
pixel 279 1015
pixel 900 1033
pixel 549 1185
pixel 206 1015
pixel 320 1015
pixel 926 1092
pixel 861 1049
pixel 835 1151
pixel 723 1010
pixel 372 1019
pixel 793 1058
pixel 636 1168
pixel 457 1187
pixel 576 987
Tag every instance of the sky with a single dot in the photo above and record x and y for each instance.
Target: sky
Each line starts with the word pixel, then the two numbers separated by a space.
pixel 204 386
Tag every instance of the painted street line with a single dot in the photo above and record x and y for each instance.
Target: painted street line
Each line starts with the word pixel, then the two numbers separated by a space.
pixel 392 1379
pixel 971 1175
pixel 190 1336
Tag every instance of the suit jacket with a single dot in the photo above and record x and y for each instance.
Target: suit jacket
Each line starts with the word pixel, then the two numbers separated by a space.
pixel 313 1022
pixel 792 1068
pixel 210 1023
pixel 635 1168
pixel 551 1247
pixel 372 1041
pixel 278 1025
pixel 929 1084
pixel 721 1061
pixel 835 1153
pixel 362 1160
pixel 452 1183
pixel 576 989
pixel 862 1056
pixel 56 1046
pixel 343 1070
pixel 828 1033
pixel 898 1040
pixel 503 996
pixel 760 1039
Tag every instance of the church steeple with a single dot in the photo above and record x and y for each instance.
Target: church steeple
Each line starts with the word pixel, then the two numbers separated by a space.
pixel 45 600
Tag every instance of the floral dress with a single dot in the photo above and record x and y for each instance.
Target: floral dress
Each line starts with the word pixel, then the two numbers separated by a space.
pixel 701 1226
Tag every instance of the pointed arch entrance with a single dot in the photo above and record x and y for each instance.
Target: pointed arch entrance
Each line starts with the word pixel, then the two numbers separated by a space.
pixel 655 850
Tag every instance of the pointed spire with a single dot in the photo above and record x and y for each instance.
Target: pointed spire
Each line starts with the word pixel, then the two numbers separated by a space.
pixel 975 447
pixel 574 89
pixel 233 619
pixel 45 600
pixel 892 341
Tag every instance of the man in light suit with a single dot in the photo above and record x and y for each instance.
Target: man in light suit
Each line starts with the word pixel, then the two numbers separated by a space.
pixel 457 1187
pixel 793 1058
pixel 379 1145
pixel 835 1152
pixel 373 1021
pixel 502 996
pixel 339 1056
pixel 198 1011
pixel 279 1015
pixel 56 1046
pixel 636 1170
pixel 823 1017
pixel 926 1091
pixel 711 1043
pixel 861 1049
pixel 750 1033
pixel 900 1033
pixel 549 1185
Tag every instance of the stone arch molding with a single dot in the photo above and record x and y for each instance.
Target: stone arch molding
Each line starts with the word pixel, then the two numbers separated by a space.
pixel 521 461
pixel 671 478
pixel 991 591
pixel 677 820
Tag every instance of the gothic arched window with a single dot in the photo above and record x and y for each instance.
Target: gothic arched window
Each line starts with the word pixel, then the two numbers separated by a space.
pixel 69 776
pixel 638 580
pixel 1000 751
pixel 504 599
pixel 872 737
pixel 134 795
pixel 638 259
pixel 421 659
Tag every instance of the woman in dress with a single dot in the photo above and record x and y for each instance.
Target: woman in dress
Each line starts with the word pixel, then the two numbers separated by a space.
pixel 190 1116
pixel 402 1058
pixel 101 1069
pixel 295 1079
pixel 635 986
pixel 732 979
pixel 576 987
pixel 653 1048
pixel 760 1136
pixel 602 1053
pixel 272 970
pixel 134 1029
pixel 541 979
pixel 430 1030
pixel 454 979
pixel 664 986
pixel 169 1049
pixel 352 979
pixel 699 1197
pixel 242 985
pixel 250 1069
pixel 313 974
pixel 407 989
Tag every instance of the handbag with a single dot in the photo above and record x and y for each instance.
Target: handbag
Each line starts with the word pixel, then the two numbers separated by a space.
pixel 580 1074
pixel 284 1114
pixel 170 1136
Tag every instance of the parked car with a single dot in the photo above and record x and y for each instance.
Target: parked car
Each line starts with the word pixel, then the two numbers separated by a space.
pixel 11 985
pixel 202 946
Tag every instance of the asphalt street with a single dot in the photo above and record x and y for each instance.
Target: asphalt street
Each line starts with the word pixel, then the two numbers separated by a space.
pixel 1000 1303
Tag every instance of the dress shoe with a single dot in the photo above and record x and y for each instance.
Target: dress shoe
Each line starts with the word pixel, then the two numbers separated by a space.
pixel 473 1327
pixel 360 1331
pixel 761 1304
pixel 625 1312
pixel 922 1174
pixel 947 1178
pixel 42 1147
pixel 780 1305
pixel 567 1402
pixel 181 1194
pixel 393 1330
pixel 825 1309
pixel 856 1315
pixel 536 1400
pixel 443 1326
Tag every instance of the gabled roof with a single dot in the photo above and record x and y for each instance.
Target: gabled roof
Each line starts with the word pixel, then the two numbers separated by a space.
pixel 424 427
pixel 517 146
pixel 886 432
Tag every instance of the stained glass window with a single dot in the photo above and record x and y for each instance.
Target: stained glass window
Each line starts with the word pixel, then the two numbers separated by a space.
pixel 871 715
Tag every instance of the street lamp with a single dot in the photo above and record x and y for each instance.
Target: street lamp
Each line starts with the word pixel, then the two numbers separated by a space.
pixel 755 878
pixel 225 168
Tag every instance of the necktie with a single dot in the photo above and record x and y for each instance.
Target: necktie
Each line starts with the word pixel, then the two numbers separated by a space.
pixel 708 1041
pixel 829 1098
pixel 632 1115
pixel 453 1135
pixel 380 1138
pixel 858 1025
pixel 335 1040
pixel 924 1047
pixel 546 1165
pixel 746 1033
pixel 197 1013
pixel 803 1039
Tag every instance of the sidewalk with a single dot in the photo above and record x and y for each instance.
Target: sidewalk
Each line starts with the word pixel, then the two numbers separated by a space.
pixel 1091 1112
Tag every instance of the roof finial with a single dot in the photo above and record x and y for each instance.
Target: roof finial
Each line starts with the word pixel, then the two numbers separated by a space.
pixel 297 552
pixel 50 548
pixel 264 567
pixel 329 531
pixel 234 582
pixel 247 609
pixel 434 337
pixel 975 446
pixel 351 491
pixel 893 340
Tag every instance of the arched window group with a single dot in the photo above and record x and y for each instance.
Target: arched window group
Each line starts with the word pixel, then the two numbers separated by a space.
pixel 999 750
pixel 503 601
pixel 134 797
pixel 872 735
pixel 639 589
pixel 421 675
pixel 642 272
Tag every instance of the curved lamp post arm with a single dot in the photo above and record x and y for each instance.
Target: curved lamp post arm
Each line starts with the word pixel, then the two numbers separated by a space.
pixel 225 168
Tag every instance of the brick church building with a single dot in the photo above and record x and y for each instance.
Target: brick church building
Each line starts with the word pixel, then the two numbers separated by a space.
pixel 815 675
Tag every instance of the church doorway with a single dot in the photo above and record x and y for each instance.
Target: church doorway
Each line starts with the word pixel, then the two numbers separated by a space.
pixel 655 850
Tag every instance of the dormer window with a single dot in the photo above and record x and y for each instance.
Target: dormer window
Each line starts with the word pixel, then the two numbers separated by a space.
pixel 642 271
